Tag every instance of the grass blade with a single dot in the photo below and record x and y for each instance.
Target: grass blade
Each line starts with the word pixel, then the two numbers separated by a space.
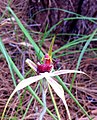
pixel 37 49
pixel 29 103
pixel 54 102
pixel 81 55
pixel 9 64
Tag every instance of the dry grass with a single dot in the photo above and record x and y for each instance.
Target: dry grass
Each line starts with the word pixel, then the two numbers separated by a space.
pixel 85 90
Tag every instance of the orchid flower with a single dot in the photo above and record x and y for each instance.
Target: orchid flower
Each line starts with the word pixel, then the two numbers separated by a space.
pixel 44 71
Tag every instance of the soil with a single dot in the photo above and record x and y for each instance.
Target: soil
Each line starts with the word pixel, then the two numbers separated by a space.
pixel 36 17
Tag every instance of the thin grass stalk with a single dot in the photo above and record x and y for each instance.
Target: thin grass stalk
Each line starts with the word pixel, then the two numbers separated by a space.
pixel 29 104
pixel 72 43
pixel 37 49
pixel 92 19
pixel 2 48
pixel 81 56
pixel 66 19
pixel 54 102
pixel 75 51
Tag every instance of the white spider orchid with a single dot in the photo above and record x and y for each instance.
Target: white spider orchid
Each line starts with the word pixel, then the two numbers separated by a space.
pixel 44 71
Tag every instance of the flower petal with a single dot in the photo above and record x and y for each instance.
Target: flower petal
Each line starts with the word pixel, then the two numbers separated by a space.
pixel 24 83
pixel 60 72
pixel 32 64
pixel 59 91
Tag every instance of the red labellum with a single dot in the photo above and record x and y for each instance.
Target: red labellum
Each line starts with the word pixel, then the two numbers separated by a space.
pixel 44 68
